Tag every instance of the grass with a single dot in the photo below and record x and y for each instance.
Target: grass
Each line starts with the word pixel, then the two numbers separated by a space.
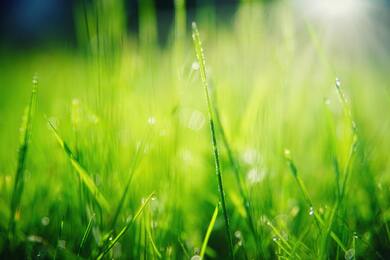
pixel 202 69
pixel 128 117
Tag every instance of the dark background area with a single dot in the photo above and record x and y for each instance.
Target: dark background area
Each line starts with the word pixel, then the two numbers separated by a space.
pixel 26 23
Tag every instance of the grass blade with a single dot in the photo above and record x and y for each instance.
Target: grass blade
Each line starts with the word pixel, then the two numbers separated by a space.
pixel 87 180
pixel 125 228
pixel 25 136
pixel 208 233
pixel 202 66
pixel 86 234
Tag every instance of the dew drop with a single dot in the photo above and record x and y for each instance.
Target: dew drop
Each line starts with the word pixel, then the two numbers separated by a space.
pixel 311 211
pixel 35 80
pixel 152 120
pixel 338 83
pixel 195 65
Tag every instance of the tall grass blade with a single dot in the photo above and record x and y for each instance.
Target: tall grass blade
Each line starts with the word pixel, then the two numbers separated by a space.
pixel 208 233
pixel 25 136
pixel 125 228
pixel 202 65
pixel 87 180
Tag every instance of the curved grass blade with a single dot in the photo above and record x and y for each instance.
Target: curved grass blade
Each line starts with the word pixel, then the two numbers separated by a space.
pixel 25 136
pixel 208 233
pixel 125 228
pixel 87 180
pixel 202 65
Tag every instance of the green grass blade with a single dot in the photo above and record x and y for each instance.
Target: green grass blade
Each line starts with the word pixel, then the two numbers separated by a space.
pixel 125 228
pixel 208 233
pixel 86 234
pixel 25 136
pixel 202 66
pixel 84 176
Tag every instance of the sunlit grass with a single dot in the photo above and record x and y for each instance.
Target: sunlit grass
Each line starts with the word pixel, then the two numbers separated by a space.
pixel 298 162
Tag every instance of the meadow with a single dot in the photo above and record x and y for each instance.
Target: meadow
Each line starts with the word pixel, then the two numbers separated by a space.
pixel 265 136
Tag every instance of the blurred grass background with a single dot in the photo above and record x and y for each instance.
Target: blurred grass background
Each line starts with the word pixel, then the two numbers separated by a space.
pixel 272 68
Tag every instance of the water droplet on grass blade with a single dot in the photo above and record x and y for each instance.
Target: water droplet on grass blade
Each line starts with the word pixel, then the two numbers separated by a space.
pixel 338 83
pixel 35 80
pixel 195 65
pixel 151 120
pixel 311 211
pixel 196 257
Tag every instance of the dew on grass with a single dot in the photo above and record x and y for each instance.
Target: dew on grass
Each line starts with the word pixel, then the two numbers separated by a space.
pixel 349 254
pixel 275 239
pixel 151 120
pixel 195 65
pixel 35 80
pixel 338 83
pixel 45 221
pixel 327 101
pixel 311 211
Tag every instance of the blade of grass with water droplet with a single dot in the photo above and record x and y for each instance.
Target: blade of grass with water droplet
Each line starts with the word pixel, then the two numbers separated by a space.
pixel 25 136
pixel 84 176
pixel 125 228
pixel 202 68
